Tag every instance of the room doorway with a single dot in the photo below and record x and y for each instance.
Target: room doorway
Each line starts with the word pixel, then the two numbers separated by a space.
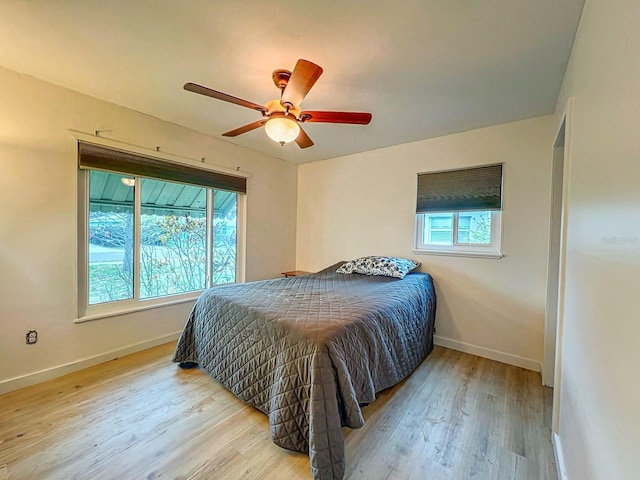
pixel 556 257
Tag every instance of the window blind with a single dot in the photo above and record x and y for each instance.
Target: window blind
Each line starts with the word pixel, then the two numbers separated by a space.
pixel 101 158
pixel 468 189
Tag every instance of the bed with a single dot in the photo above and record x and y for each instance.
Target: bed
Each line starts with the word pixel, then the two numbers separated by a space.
pixel 310 351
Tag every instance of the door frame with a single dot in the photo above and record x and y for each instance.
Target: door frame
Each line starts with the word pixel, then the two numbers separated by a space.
pixel 554 365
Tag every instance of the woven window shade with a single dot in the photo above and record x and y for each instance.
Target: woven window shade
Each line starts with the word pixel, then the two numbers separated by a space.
pixel 101 158
pixel 468 189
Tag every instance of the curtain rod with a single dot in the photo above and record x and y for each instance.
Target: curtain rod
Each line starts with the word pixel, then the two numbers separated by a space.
pixel 146 150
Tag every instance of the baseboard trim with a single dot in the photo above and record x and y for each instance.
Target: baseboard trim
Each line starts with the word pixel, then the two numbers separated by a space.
pixel 60 370
pixel 557 451
pixel 489 353
pixel 54 372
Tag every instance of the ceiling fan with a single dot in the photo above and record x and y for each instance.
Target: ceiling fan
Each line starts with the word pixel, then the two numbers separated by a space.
pixel 282 117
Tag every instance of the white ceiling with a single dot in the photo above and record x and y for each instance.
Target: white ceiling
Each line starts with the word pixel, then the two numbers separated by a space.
pixel 423 68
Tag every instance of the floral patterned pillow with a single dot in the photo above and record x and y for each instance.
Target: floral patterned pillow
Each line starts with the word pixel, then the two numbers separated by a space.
pixel 384 266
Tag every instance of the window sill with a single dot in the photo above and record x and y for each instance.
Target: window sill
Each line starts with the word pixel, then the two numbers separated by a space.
pixel 460 253
pixel 125 310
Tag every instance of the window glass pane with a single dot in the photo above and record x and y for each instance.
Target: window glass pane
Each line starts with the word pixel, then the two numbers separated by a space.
pixel 110 237
pixel 463 236
pixel 173 243
pixel 464 222
pixel 438 229
pixel 474 228
pixel 441 221
pixel 225 224
pixel 440 237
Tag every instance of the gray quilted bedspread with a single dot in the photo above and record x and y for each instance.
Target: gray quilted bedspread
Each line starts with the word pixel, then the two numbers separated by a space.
pixel 308 351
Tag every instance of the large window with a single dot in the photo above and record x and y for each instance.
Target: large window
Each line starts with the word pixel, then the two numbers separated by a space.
pixel 459 212
pixel 150 241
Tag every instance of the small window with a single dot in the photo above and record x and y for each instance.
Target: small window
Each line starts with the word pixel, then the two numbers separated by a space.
pixel 464 233
pixel 459 212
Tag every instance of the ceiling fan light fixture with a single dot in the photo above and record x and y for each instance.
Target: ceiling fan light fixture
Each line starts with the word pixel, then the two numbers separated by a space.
pixel 282 129
pixel 282 117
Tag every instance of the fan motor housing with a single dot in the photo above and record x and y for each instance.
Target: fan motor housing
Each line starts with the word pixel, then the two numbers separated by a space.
pixel 281 78
pixel 274 106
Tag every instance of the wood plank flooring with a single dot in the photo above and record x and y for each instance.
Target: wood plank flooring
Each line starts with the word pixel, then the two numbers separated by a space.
pixel 140 417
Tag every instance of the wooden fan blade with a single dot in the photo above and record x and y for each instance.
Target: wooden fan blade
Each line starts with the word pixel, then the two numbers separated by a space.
pixel 245 128
pixel 355 118
pixel 195 88
pixel 303 139
pixel 304 76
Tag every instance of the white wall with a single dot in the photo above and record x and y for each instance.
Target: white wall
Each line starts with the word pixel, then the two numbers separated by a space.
pixel 38 168
pixel 364 204
pixel 599 395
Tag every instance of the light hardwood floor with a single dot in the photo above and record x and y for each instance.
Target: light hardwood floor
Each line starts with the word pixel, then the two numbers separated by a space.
pixel 140 417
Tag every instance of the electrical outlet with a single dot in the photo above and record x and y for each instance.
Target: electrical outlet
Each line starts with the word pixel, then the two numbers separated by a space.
pixel 32 337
